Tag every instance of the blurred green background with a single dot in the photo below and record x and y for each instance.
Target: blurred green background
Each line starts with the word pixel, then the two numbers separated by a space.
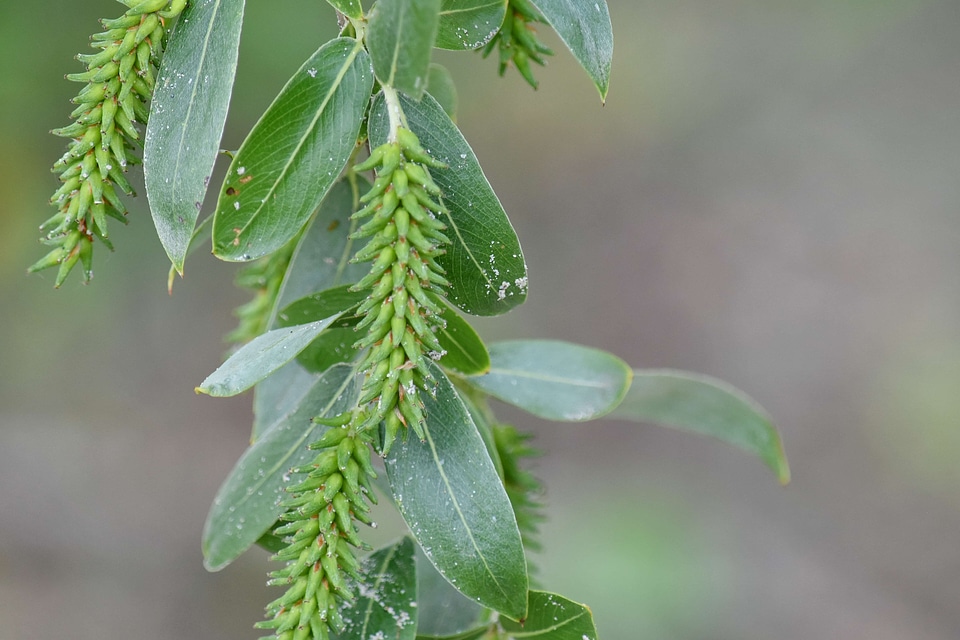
pixel 770 195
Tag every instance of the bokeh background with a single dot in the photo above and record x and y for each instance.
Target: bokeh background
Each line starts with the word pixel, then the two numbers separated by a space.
pixel 770 196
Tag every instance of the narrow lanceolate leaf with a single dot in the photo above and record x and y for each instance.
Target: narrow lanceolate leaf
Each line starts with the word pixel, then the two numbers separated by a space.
pixel 440 85
pixel 260 357
pixel 469 24
pixel 464 351
pixel 246 506
pixel 350 8
pixel 400 39
pixel 187 116
pixel 320 261
pixel 555 380
pixel 484 263
pixel 584 26
pixel 387 605
pixel 448 491
pixel 553 617
pixel 294 154
pixel 706 405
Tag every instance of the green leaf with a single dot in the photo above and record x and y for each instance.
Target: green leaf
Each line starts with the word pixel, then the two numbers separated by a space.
pixel 553 617
pixel 464 350
pixel 320 261
pixel 584 26
pixel 440 85
pixel 484 263
pixel 187 116
pixel 400 39
pixel 322 304
pixel 469 24
pixel 387 604
pixel 449 494
pixel 444 611
pixel 472 634
pixel 260 357
pixel 246 506
pixel 555 380
pixel 706 405
pixel 294 154
pixel 349 8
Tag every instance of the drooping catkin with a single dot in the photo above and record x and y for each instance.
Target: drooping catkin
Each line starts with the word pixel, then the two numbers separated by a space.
pixel 517 41
pixel 401 313
pixel 118 85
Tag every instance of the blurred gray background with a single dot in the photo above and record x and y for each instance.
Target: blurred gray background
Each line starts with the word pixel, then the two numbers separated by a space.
pixel 770 196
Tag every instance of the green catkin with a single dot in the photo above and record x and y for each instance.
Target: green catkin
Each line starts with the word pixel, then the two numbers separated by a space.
pixel 318 528
pixel 118 83
pixel 517 40
pixel 523 488
pixel 398 321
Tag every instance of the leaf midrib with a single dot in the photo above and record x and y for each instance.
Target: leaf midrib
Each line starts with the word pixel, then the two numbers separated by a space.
pixel 193 93
pixel 456 506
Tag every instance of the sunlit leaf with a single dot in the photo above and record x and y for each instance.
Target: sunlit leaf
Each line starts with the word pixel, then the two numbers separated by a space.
pixel 260 357
pixel 294 154
pixel 350 8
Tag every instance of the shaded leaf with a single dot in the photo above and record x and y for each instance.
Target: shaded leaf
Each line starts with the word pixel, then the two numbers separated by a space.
pixel 333 346
pixel 440 85
pixel 294 154
pixel 484 263
pixel 705 405
pixel 320 261
pixel 553 617
pixel 464 350
pixel 469 24
pixel 187 115
pixel 444 611
pixel 584 26
pixel 400 39
pixel 246 506
pixel 322 304
pixel 555 380
pixel 260 357
pixel 448 492
pixel 386 606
